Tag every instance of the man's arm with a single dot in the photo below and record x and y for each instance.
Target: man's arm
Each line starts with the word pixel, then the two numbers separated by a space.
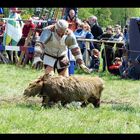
pixel 72 44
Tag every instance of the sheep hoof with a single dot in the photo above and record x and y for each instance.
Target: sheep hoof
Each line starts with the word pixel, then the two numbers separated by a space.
pixel 83 104
pixel 96 103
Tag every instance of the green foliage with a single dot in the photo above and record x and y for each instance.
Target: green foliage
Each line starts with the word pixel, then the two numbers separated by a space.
pixel 110 16
pixel 27 13
pixel 84 13
pixel 106 16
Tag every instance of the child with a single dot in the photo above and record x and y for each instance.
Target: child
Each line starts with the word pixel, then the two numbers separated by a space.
pixel 95 62
pixel 114 69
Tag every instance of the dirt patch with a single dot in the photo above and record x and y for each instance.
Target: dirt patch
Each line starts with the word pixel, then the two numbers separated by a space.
pixel 20 99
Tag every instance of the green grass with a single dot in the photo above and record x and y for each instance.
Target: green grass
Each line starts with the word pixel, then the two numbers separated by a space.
pixel 119 111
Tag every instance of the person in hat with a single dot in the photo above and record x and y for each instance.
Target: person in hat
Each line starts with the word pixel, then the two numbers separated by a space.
pixel 28 25
pixel 53 45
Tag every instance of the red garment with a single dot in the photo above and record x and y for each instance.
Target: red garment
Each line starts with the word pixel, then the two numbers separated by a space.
pixel 2 29
pixel 72 24
pixel 114 66
pixel 26 29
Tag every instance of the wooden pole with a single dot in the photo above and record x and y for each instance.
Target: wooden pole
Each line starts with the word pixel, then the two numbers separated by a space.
pixel 87 62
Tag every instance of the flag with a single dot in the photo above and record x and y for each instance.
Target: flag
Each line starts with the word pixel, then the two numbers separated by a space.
pixel 13 31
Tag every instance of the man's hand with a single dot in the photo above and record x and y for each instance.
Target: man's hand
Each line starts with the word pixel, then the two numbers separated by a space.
pixel 37 63
pixel 85 69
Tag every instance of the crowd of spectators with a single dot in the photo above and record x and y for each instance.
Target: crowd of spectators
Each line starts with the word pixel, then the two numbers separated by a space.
pixel 114 56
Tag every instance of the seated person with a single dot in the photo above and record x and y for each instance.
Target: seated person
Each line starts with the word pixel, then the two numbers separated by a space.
pixel 130 72
pixel 95 62
pixel 114 69
pixel 124 65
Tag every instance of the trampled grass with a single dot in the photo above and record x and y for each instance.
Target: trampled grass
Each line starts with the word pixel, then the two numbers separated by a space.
pixel 119 111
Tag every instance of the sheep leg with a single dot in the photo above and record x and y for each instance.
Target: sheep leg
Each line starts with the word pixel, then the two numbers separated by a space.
pixel 63 104
pixel 96 103
pixel 84 104
pixel 45 101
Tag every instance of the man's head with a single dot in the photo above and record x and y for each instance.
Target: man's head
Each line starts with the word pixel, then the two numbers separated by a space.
pixel 61 26
pixel 92 20
pixel 109 30
pixel 71 13
pixel 96 53
pixel 117 28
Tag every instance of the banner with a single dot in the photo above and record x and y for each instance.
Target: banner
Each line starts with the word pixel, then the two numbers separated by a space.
pixel 13 31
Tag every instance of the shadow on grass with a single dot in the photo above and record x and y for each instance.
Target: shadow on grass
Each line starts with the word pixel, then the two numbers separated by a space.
pixel 125 107
pixel 31 103
pixel 19 101
pixel 29 106
pixel 106 75
pixel 121 106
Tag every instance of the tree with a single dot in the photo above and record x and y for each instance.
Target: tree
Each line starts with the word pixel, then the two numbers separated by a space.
pixel 84 13
pixel 103 15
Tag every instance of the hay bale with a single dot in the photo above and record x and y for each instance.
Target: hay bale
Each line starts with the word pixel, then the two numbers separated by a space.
pixel 83 89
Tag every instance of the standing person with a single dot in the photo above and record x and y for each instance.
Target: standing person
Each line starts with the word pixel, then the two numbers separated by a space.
pixel 13 31
pixel 2 30
pixel 125 33
pixel 118 36
pixel 107 53
pixel 85 32
pixel 25 30
pixel 53 44
pixel 41 24
pixel 66 12
pixel 29 25
pixel 96 30
pixel 72 65
pixel 72 20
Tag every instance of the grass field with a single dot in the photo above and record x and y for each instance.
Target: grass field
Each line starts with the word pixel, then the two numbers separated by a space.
pixel 119 111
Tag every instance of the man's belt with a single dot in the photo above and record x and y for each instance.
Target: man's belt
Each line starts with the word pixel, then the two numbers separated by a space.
pixel 54 56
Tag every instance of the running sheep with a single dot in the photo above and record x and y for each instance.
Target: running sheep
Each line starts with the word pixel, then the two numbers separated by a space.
pixel 82 89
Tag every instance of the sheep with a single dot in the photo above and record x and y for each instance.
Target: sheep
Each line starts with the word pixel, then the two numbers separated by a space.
pixel 82 89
